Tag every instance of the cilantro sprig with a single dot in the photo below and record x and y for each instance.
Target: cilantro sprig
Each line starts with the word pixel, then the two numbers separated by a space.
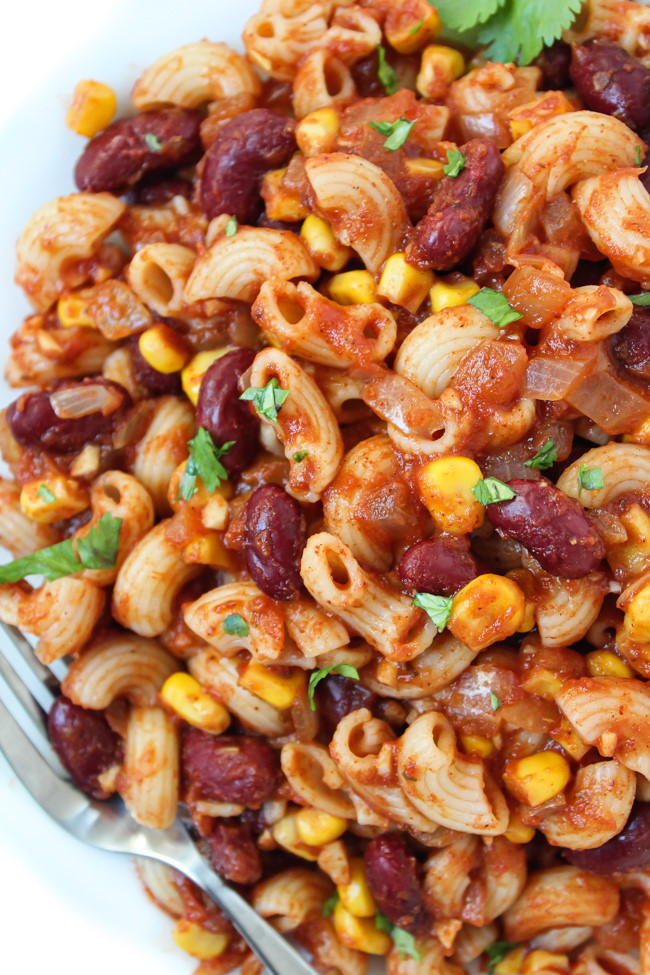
pixel 397 132
pixel 316 676
pixel 329 906
pixel 497 951
pixel 455 163
pixel 545 456
pixel 403 940
pixel 490 490
pixel 386 73
pixel 231 227
pixel 590 478
pixel 45 494
pixel 153 142
pixel 437 608
pixel 494 306
pixel 96 550
pixel 235 625
pixel 495 703
pixel 267 400
pixel 511 29
pixel 204 462
pixel 641 299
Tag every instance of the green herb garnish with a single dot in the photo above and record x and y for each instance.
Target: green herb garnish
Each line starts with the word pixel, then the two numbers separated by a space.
pixel 45 494
pixel 545 456
pixel 437 608
pixel 96 550
pixel 329 905
pixel 153 142
pixel 204 462
pixel 386 74
pixel 316 676
pixel 397 132
pixel 300 455
pixel 495 703
pixel 490 490
pixel 267 400
pixel 497 951
pixel 590 478
pixel 641 299
pixel 494 306
pixel 455 163
pixel 235 625
pixel 403 940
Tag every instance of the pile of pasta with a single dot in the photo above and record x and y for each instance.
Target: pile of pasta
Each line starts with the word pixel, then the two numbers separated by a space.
pixel 337 404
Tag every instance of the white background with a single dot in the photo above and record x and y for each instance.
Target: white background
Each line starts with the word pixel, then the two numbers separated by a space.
pixel 65 907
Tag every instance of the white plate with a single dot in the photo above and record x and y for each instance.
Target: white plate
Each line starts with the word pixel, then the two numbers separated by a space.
pixel 65 907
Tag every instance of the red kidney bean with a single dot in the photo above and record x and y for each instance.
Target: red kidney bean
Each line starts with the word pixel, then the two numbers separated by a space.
pixel 156 383
pixel 554 62
pixel 223 414
pixel 159 189
pixel 33 422
pixel 631 346
pixel 132 147
pixel 630 850
pixel 274 528
pixel 459 211
pixel 85 743
pixel 611 81
pixel 243 770
pixel 246 148
pixel 441 565
pixel 392 874
pixel 336 696
pixel 552 526
pixel 366 76
pixel 233 852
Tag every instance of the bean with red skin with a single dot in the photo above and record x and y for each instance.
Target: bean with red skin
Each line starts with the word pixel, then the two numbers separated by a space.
pixel 552 526
pixel 133 147
pixel 611 81
pixel 441 566
pixel 233 852
pixel 244 770
pixel 245 148
pixel 459 211
pixel 222 413
pixel 337 696
pixel 33 422
pixel 274 538
pixel 85 743
pixel 630 850
pixel 159 189
pixel 392 874
pixel 631 346
pixel 156 383
pixel 554 63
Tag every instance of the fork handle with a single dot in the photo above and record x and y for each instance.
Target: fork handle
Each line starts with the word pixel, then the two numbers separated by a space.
pixel 272 949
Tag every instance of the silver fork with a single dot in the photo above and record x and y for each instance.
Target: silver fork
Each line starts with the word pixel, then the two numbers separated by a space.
pixel 26 695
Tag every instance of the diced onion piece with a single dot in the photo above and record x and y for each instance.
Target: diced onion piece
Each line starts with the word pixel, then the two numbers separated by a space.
pixel 69 404
pixel 400 402
pixel 613 405
pixel 552 378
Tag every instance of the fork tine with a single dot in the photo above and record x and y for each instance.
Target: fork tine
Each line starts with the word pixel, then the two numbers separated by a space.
pixel 20 654
pixel 28 713
pixel 60 800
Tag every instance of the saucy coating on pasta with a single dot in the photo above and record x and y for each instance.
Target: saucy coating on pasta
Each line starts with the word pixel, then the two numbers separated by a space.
pixel 331 444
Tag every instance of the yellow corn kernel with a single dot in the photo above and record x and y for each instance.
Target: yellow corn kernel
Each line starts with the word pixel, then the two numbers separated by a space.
pixel 53 499
pixel 360 932
pixel 640 435
pixel 544 961
pixel 637 616
pixel 431 168
pixel 488 609
pixel 403 284
pixel 632 557
pixel 353 288
pixel 198 942
pixel 511 964
pixel 604 663
pixel 476 745
pixel 316 828
pixel 439 67
pixel 281 202
pixel 445 295
pixel 523 118
pixel 185 696
pixel 317 132
pixel 323 246
pixel 537 778
pixel 356 896
pixel 273 688
pixel 445 486
pixel 285 833
pixel 208 549
pixel 570 741
pixel 163 348
pixel 72 311
pixel 542 682
pixel 193 373
pixel 518 832
pixel 407 30
pixel 93 107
